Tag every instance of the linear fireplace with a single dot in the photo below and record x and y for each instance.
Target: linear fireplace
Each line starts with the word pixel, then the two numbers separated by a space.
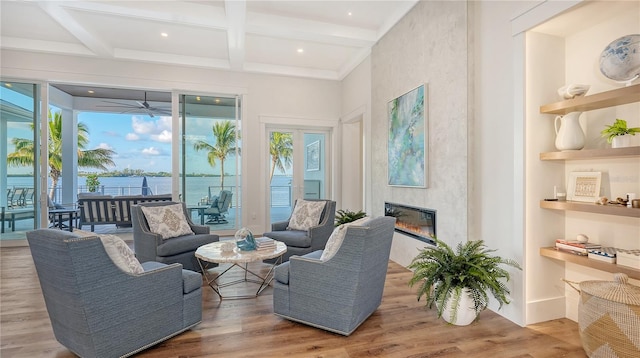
pixel 419 223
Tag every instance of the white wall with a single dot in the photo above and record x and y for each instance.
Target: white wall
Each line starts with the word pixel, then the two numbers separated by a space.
pixel 355 134
pixel 308 100
pixel 428 46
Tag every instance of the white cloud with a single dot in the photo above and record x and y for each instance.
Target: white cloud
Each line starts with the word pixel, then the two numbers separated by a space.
pixel 158 130
pixel 151 151
pixel 104 146
pixel 164 137
pixel 132 137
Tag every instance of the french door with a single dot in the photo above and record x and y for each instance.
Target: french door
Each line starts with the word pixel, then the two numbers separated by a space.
pixel 298 168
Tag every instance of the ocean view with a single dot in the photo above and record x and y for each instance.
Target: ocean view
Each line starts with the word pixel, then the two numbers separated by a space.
pixel 197 188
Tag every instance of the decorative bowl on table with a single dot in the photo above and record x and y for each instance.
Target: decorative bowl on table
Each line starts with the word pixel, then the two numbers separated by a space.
pixel 620 60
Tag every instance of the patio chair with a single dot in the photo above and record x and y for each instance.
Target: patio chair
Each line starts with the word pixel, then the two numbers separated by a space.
pixel 219 208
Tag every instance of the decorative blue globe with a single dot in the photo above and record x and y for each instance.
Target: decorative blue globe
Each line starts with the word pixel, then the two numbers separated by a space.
pixel 620 60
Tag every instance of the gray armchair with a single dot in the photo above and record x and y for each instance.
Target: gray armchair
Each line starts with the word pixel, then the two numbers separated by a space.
pixel 340 293
pixel 98 310
pixel 150 246
pixel 303 242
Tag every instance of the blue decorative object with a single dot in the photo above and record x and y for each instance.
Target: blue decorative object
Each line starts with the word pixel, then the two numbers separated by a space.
pixel 620 60
pixel 246 241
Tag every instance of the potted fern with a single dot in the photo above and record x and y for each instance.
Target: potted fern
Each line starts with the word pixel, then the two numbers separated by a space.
pixel 618 134
pixel 347 216
pixel 458 282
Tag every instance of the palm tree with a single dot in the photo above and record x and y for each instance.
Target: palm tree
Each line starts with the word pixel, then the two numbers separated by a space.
pixel 225 135
pixel 98 158
pixel 281 151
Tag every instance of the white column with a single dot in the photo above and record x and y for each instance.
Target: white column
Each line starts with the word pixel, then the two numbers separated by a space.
pixel 69 182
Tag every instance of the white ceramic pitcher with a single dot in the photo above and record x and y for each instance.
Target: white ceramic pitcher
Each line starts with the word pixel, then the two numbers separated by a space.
pixel 569 135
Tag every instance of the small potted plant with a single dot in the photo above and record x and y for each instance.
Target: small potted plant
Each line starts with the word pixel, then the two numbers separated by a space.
pixel 347 216
pixel 458 282
pixel 618 134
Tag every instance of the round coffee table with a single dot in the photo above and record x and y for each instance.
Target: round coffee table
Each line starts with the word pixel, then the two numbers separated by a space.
pixel 212 253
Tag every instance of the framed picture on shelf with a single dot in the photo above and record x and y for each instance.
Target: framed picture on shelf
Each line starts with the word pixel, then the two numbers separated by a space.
pixel 584 186
pixel 313 156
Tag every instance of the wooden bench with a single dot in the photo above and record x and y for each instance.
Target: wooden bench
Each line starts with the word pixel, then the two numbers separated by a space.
pixel 103 210
pixel 11 215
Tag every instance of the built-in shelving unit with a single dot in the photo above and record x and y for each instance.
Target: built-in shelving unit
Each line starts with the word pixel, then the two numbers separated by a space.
pixel 616 97
pixel 608 153
pixel 606 99
pixel 618 210
pixel 585 261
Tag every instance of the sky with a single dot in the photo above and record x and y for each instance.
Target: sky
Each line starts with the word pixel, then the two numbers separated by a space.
pixel 140 141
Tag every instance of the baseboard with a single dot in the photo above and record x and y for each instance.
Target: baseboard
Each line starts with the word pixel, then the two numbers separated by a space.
pixel 545 310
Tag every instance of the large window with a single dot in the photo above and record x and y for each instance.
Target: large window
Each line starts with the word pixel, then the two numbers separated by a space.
pixel 210 161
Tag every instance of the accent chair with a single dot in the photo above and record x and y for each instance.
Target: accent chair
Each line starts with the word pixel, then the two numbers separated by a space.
pixel 153 246
pixel 98 308
pixel 301 239
pixel 338 288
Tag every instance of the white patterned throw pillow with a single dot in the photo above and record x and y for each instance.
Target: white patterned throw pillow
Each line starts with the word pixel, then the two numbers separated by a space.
pixel 337 237
pixel 167 220
pixel 121 254
pixel 306 214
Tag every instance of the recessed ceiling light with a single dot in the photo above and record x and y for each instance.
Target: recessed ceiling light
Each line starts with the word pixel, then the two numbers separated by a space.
pixel 8 85
pixel 349 13
pixel 300 50
pixel 217 100
pixel 164 34
pixel 197 98
pixel 91 91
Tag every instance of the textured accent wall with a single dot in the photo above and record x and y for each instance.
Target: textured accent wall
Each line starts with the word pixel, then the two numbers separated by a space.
pixel 429 45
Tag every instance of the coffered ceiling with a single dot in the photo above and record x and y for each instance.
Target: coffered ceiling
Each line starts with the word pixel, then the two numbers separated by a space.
pixel 315 39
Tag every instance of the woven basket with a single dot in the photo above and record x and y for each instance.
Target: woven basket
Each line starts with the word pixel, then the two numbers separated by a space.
pixel 609 318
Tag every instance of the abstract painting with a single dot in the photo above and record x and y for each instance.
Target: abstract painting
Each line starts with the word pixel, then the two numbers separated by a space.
pixel 407 140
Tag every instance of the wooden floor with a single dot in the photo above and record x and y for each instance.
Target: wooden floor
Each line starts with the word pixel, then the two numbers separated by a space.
pixel 401 327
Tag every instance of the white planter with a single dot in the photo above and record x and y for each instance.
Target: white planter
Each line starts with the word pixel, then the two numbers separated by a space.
pixel 621 141
pixel 466 312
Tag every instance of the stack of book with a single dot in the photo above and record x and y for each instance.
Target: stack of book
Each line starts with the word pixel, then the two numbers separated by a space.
pixel 575 247
pixel 606 254
pixel 265 244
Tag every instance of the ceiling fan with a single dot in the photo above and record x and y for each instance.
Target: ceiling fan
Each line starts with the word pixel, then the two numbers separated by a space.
pixel 144 106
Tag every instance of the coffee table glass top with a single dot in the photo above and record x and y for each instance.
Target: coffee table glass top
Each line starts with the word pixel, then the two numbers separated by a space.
pixel 213 253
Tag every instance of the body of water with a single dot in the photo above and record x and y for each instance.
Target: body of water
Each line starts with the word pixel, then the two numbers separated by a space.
pixel 197 188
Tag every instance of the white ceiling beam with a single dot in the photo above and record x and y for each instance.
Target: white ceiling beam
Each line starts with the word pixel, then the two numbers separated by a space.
pixel 180 12
pixel 317 31
pixel 290 71
pixel 158 57
pixel 64 19
pixel 14 43
pixel 236 11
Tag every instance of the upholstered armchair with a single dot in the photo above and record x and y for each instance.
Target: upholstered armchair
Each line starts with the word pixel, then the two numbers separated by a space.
pixel 302 239
pixel 177 243
pixel 338 288
pixel 101 305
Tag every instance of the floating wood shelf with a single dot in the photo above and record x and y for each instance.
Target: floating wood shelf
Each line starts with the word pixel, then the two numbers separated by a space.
pixel 617 210
pixel 593 263
pixel 612 153
pixel 616 97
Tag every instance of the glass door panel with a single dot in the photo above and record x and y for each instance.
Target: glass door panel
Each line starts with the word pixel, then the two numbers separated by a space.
pixel 210 160
pixel 19 148
pixel 298 169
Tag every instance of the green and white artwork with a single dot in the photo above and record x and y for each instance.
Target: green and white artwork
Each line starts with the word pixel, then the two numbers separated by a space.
pixel 407 140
